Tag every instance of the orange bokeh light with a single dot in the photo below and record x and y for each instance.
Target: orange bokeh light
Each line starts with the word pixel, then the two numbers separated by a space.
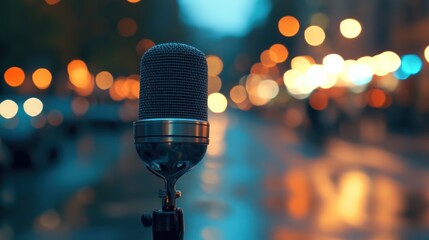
pixel 238 94
pixel 133 1
pixel 14 76
pixel 127 27
pixel 288 26
pixel 266 59
pixel 298 203
pixel 116 91
pixel 76 64
pixel 259 68
pixel 318 101
pixel 42 78
pixel 144 45
pixel 52 2
pixel 278 53
pixel 376 98
pixel 215 65
pixel 215 84
pixel 80 106
pixel 104 80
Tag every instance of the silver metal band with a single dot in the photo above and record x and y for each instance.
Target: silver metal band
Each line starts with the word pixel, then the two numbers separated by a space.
pixel 171 130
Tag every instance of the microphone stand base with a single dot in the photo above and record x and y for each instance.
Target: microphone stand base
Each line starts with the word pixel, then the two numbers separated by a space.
pixel 165 224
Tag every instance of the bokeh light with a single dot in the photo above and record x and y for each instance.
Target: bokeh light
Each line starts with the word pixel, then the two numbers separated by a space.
pixel 42 78
pixel 115 91
pixel 411 64
pixel 127 27
pixel 266 59
pixel 78 73
pixel 33 106
pixel 8 109
pixel 238 94
pixel 376 98
pixel 80 106
pixel 288 26
pixel 278 53
pixel 214 65
pixel 144 45
pixel 55 118
pixel 314 35
pixel 302 63
pixel 350 28
pixel 52 2
pixel 14 76
pixel 133 1
pixel 320 19
pixel 39 121
pixel 131 87
pixel 214 84
pixel 268 89
pixel 104 80
pixel 293 117
pixel 386 62
pixel 318 101
pixel 217 102
pixel 333 63
pixel 426 53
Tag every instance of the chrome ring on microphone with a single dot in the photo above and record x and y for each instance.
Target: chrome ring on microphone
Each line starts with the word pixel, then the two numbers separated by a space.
pixel 171 130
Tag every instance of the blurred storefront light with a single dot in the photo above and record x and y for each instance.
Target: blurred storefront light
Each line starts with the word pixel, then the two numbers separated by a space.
pixel 8 109
pixel 14 76
pixel 350 28
pixel 33 106
pixel 353 197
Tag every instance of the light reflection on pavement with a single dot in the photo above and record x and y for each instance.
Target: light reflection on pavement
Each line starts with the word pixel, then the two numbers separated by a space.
pixel 257 181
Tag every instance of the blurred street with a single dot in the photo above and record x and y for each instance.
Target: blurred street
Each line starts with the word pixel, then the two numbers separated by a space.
pixel 318 115
pixel 259 180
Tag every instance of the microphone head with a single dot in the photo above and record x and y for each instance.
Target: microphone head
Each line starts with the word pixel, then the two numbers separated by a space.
pixel 173 83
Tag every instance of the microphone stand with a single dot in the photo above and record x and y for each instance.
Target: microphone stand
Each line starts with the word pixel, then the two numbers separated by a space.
pixel 169 148
pixel 168 222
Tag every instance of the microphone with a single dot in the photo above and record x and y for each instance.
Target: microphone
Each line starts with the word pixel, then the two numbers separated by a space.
pixel 172 133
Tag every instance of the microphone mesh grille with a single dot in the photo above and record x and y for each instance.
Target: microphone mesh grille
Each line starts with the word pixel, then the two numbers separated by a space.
pixel 173 82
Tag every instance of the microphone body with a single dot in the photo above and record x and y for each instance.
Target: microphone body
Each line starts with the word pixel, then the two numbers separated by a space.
pixel 172 133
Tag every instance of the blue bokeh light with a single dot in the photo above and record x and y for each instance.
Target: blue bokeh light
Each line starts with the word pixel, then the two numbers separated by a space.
pixel 411 64
pixel 224 17
pixel 401 75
